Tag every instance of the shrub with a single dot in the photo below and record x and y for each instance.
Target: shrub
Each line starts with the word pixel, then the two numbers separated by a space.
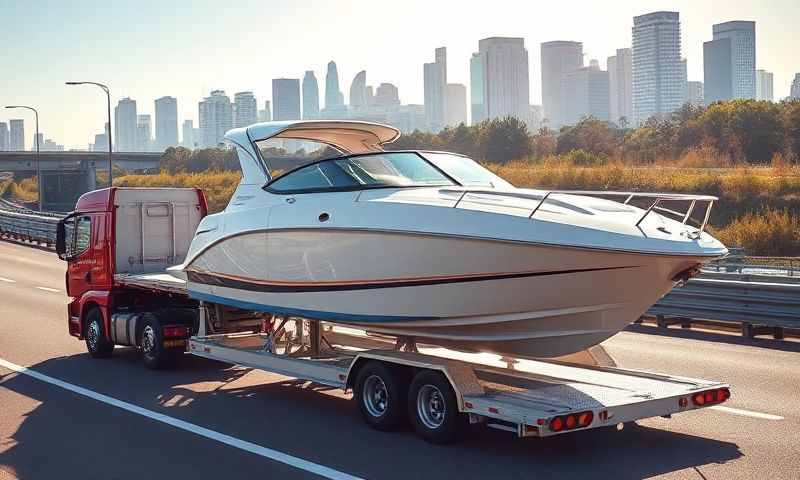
pixel 771 232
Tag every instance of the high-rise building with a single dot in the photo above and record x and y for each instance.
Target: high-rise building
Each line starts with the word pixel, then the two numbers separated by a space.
pixel 587 94
pixel 216 118
pixel 477 89
pixel 266 114
pixel 764 86
pixel 729 62
pixel 286 98
pixel 245 109
pixel 358 91
pixel 455 111
pixel 333 96
pixel 166 123
pixel 386 95
pixel 3 137
pixel 38 139
pixel 310 95
pixel 144 133
pixel 16 135
pixel 125 125
pixel 187 133
pixel 620 86
pixel 694 94
pixel 101 141
pixel 794 92
pixel 659 79
pixel 435 84
pixel 558 59
pixel 505 77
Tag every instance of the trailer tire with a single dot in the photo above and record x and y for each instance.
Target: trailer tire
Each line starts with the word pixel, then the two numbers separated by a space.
pixel 151 343
pixel 96 341
pixel 381 395
pixel 433 409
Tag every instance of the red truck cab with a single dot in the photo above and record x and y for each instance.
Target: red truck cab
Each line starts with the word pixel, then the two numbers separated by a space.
pixel 115 239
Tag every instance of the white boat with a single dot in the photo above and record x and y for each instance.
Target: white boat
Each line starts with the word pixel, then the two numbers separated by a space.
pixel 434 247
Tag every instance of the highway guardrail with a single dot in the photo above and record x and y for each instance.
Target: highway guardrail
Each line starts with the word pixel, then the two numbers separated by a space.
pixel 27 225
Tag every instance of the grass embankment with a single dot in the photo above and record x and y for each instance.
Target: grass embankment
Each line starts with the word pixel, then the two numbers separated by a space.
pixel 218 186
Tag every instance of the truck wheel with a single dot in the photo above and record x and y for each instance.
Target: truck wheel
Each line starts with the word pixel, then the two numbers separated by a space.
pixel 381 395
pixel 433 409
pixel 151 342
pixel 96 342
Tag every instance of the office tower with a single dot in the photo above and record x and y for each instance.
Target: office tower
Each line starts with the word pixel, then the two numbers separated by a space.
pixel 310 96
pixel 166 123
pixel 455 111
pixel 144 133
pixel 620 85
pixel 764 87
pixel 358 91
pixel 794 92
pixel 558 59
pixel 125 125
pixel 695 94
pixel 245 109
pixel 266 114
pixel 38 139
pixel 477 87
pixel 3 137
pixel 729 62
pixel 534 121
pixel 187 132
pixel 586 91
pixel 333 96
pixel 16 135
pixel 659 80
pixel 506 87
pixel 386 95
pixel 435 84
pixel 286 98
pixel 101 140
pixel 216 118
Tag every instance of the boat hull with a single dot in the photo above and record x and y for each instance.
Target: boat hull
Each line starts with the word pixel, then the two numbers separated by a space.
pixel 512 298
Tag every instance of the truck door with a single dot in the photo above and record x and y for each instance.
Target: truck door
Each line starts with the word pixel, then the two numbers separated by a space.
pixel 80 257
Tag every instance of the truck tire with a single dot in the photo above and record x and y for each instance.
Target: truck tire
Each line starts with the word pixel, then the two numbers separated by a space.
pixel 96 341
pixel 151 343
pixel 433 409
pixel 381 395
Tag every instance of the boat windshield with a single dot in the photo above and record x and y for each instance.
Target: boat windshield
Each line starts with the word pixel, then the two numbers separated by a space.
pixel 466 171
pixel 390 169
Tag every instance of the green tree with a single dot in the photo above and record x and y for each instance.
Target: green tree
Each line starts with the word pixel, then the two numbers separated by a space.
pixel 506 139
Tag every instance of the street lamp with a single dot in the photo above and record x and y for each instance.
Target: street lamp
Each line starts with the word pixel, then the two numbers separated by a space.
pixel 108 97
pixel 38 168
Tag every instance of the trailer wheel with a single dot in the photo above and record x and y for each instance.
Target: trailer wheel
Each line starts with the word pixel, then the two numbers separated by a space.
pixel 381 395
pixel 96 342
pixel 151 343
pixel 433 409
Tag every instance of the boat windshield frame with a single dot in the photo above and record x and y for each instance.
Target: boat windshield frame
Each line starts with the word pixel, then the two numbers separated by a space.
pixel 268 186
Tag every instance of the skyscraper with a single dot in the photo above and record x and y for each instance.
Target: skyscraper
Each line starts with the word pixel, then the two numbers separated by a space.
pixel 16 135
pixel 729 62
pixel 3 137
pixel 266 114
pixel 435 84
pixel 455 111
pixel 477 89
pixel 216 118
pixel 286 99
pixel 620 85
pixel 333 96
pixel 587 94
pixel 659 80
pixel 358 91
pixel 794 92
pixel 505 76
pixel 245 109
pixel 695 94
pixel 125 125
pixel 558 59
pixel 166 123
pixel 387 95
pixel 310 96
pixel 764 90
pixel 188 140
pixel 38 139
pixel 144 133
pixel 101 140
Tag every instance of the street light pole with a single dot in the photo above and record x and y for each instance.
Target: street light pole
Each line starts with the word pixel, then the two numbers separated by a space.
pixel 38 164
pixel 108 133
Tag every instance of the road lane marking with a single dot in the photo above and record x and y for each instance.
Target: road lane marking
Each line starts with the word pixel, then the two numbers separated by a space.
pixel 7 280
pixel 265 452
pixel 48 289
pixel 746 413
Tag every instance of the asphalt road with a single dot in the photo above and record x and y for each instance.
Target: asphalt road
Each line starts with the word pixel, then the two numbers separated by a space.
pixel 47 431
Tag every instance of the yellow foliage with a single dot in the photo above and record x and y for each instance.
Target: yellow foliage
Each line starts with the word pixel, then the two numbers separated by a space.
pixel 217 186
pixel 771 232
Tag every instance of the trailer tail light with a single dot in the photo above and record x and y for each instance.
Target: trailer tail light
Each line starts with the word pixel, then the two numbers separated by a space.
pixel 571 421
pixel 711 397
pixel 175 331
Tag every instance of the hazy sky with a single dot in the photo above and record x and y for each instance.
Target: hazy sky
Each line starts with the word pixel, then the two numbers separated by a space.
pixel 147 49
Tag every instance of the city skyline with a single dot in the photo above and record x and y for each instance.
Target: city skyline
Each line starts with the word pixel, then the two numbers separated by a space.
pixel 74 116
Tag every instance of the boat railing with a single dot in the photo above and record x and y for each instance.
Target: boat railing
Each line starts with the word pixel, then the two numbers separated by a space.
pixel 655 205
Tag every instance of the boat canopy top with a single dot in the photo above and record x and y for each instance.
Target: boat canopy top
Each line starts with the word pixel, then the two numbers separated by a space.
pixel 346 136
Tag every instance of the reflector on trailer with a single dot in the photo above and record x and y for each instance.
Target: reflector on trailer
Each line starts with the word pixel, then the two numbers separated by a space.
pixel 556 424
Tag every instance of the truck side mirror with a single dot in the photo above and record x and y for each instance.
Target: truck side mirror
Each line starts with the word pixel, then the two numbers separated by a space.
pixel 61 243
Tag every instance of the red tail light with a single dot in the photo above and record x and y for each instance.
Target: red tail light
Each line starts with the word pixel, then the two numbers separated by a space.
pixel 711 397
pixel 571 421
pixel 174 331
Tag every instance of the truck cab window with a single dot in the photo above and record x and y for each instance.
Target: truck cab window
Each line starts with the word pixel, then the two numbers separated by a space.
pixel 83 234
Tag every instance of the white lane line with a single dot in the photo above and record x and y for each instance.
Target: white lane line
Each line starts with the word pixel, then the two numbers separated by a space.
pixel 265 452
pixel 7 280
pixel 48 289
pixel 746 413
